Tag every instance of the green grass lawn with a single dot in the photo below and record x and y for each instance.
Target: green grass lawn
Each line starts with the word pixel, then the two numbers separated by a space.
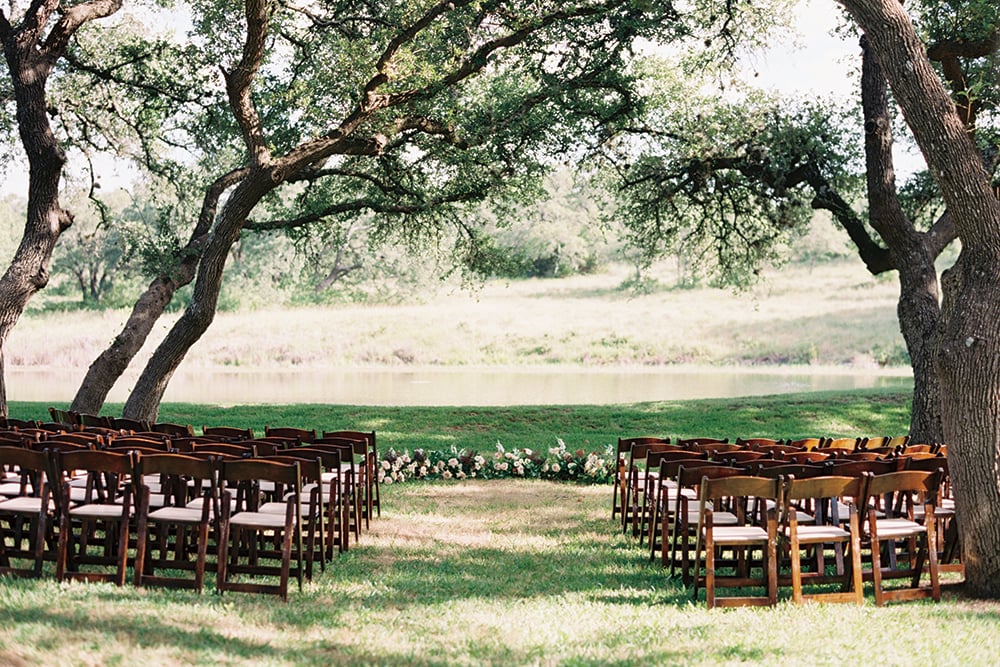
pixel 868 413
pixel 481 573
pixel 505 572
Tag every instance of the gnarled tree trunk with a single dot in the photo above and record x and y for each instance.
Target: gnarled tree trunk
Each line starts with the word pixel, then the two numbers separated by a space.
pixel 114 361
pixel 968 357
pixel 912 253
pixel 144 401
pixel 31 56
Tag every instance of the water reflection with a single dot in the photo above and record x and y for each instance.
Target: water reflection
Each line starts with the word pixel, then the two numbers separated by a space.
pixel 485 386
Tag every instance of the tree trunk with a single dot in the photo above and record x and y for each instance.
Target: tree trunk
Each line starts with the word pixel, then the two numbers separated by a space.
pixel 46 220
pixel 113 362
pixel 968 356
pixel 107 368
pixel 144 401
pixel 917 310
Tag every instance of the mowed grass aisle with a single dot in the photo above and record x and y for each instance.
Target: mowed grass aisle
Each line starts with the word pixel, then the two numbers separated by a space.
pixel 480 573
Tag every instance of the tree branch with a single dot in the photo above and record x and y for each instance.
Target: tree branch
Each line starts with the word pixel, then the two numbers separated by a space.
pixel 240 79
pixel 71 21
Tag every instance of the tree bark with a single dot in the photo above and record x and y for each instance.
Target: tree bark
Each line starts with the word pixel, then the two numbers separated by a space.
pixel 31 57
pixel 968 355
pixel 918 309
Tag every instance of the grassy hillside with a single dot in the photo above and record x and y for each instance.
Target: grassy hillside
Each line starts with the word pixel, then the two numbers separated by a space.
pixel 833 314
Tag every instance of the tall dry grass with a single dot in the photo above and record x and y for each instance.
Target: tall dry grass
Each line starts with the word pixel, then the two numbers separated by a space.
pixel 832 314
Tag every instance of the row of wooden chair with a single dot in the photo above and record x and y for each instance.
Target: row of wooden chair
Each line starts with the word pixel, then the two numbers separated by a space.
pixel 81 509
pixel 67 423
pixel 748 525
pixel 37 523
pixel 628 500
pixel 679 520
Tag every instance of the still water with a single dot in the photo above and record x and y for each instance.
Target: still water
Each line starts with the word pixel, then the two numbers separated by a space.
pixel 466 386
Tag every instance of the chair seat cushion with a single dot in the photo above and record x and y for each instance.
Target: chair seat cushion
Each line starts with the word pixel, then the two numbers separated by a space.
pixel 188 515
pixel 894 528
pixel 737 535
pixel 24 505
pixel 809 533
pixel 258 520
pixel 97 511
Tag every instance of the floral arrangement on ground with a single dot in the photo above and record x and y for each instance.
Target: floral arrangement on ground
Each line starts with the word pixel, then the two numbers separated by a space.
pixel 559 463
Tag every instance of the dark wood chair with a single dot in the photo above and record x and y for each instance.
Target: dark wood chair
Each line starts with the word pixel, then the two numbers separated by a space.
pixel 94 531
pixel 621 468
pixel 171 429
pixel 244 530
pixel 301 435
pixel 637 474
pixel 374 493
pixel 805 443
pixel 27 510
pixel 663 497
pixel 901 546
pixel 228 432
pixel 354 459
pixel 312 509
pixel 172 535
pixel 684 518
pixel 66 418
pixel 135 426
pixel 335 495
pixel 823 529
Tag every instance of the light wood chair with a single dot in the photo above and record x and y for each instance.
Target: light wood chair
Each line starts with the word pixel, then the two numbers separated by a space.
pixel 823 529
pixel 756 529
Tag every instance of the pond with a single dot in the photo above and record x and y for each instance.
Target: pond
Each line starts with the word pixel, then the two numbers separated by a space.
pixel 466 386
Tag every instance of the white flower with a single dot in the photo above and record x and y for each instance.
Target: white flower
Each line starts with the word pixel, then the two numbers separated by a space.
pixel 386 465
pixel 461 475
pixel 423 471
pixel 446 474
pixel 556 468
pixel 453 462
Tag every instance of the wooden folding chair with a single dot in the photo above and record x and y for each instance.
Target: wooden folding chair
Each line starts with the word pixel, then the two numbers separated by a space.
pixel 372 484
pixel 823 527
pixel 681 524
pixel 169 428
pixel 299 435
pixel 621 468
pixel 637 476
pixel 334 490
pixel 94 531
pixel 756 528
pixel 228 432
pixel 312 509
pixel 245 532
pixel 898 539
pixel 27 509
pixel 171 533
pixel 661 493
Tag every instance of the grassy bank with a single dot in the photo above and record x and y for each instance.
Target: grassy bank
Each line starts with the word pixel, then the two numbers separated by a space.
pixel 874 412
